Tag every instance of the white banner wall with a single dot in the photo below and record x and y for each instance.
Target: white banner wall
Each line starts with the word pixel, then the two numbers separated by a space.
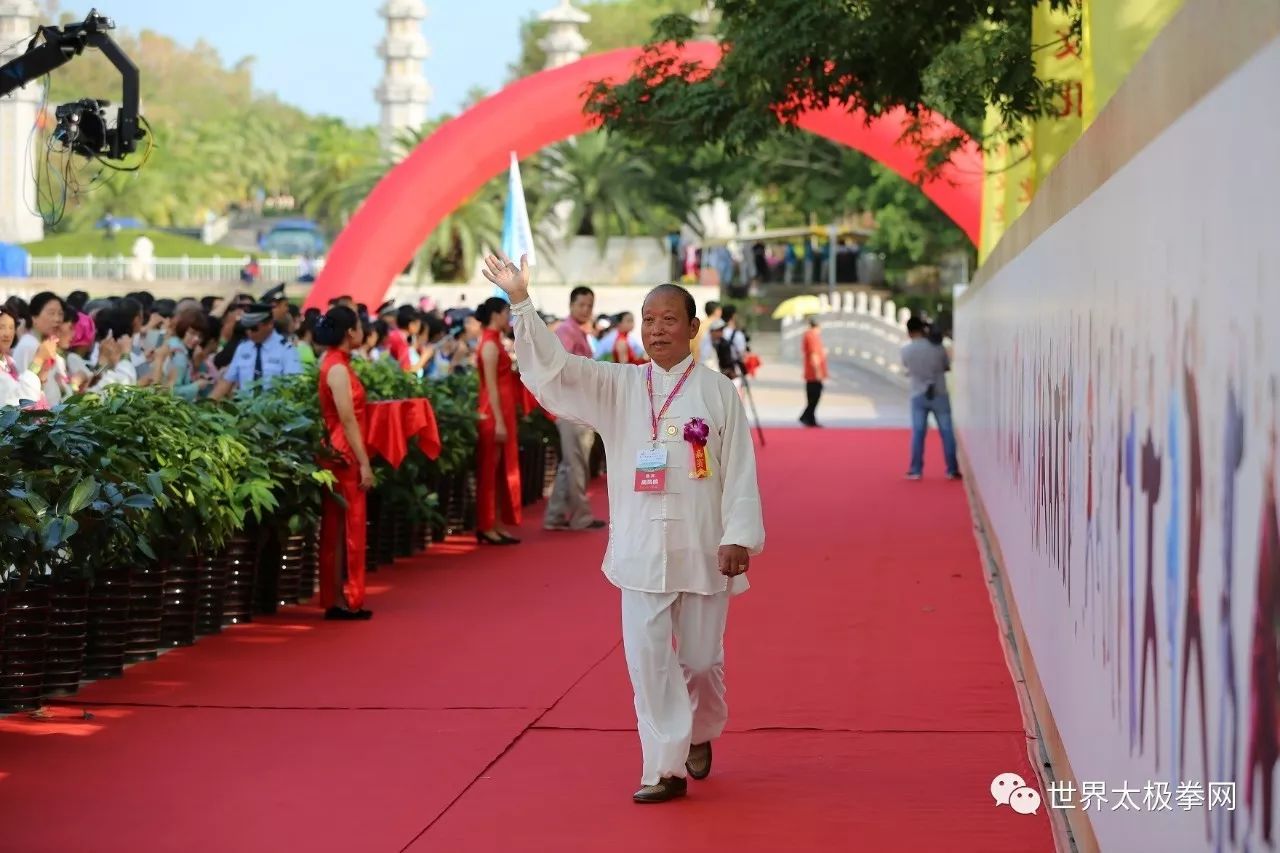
pixel 1117 401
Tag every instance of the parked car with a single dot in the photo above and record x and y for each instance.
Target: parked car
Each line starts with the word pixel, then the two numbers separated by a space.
pixel 292 238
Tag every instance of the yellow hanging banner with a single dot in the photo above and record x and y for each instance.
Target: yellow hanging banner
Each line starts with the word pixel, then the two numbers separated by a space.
pixel 1014 171
pixel 1116 35
pixel 1007 186
pixel 1058 58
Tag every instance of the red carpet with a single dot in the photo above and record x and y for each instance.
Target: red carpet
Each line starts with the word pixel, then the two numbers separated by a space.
pixel 486 707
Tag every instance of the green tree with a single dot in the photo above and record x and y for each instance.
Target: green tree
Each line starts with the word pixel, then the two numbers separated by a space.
pixel 800 178
pixel 608 187
pixel 785 57
pixel 212 141
pixel 337 172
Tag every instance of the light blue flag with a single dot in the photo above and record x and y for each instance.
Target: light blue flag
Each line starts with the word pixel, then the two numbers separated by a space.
pixel 517 235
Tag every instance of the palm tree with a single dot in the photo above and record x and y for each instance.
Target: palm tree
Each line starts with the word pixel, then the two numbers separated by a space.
pixel 338 159
pixel 611 190
pixel 459 238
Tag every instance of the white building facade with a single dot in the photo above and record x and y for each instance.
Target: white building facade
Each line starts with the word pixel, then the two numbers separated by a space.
pixel 18 112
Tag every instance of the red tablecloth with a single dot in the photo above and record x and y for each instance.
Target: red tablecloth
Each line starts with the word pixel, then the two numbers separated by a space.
pixel 390 426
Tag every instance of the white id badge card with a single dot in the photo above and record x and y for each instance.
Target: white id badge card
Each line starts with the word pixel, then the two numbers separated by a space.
pixel 652 458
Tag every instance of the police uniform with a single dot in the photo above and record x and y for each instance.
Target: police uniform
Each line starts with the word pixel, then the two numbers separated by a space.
pixel 273 357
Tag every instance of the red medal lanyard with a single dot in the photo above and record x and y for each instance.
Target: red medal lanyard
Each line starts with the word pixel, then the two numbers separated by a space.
pixel 648 381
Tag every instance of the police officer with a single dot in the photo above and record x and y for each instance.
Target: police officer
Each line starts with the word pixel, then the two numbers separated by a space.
pixel 263 354
pixel 277 302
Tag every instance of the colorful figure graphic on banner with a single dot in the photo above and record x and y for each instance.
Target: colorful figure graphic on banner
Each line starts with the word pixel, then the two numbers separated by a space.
pixel 1152 474
pixel 1131 482
pixel 1117 349
pixel 1193 630
pixel 1116 427
pixel 1264 677
pixel 1228 703
pixel 1173 534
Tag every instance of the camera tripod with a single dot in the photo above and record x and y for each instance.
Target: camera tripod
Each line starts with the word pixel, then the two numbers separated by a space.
pixel 751 401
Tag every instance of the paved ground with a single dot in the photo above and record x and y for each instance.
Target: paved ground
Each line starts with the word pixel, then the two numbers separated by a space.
pixel 853 397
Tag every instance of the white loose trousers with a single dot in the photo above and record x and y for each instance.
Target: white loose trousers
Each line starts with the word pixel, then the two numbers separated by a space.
pixel 679 692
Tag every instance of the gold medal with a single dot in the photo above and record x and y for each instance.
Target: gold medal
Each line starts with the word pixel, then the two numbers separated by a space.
pixel 671 430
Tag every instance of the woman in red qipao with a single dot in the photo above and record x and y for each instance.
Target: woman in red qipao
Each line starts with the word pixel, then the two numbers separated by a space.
pixel 342 523
pixel 498 450
pixel 622 351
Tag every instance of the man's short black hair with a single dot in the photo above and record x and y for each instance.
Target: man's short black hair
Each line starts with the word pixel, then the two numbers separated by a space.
pixel 711 307
pixel 690 305
pixel 915 325
pixel 580 291
pixel 728 313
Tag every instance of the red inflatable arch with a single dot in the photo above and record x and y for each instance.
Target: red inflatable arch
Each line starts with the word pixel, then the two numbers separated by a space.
pixel 545 108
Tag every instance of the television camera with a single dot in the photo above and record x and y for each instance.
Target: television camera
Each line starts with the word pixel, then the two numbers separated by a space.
pixel 84 126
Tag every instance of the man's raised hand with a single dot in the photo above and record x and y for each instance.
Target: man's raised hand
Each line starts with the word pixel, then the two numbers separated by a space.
pixel 513 280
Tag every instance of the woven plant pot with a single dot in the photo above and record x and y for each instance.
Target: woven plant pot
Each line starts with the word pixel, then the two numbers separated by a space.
pixel 179 605
pixel 109 625
pixel 146 610
pixel 292 554
pixel 26 642
pixel 241 555
pixel 68 636
pixel 211 593
pixel 310 563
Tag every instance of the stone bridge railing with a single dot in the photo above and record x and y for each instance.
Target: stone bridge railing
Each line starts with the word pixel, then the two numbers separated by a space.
pixel 859 329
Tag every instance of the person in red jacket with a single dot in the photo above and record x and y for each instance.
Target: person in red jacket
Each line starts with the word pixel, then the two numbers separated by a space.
pixel 815 371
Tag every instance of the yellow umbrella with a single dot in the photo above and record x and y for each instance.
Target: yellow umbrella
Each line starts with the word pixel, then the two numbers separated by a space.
pixel 798 306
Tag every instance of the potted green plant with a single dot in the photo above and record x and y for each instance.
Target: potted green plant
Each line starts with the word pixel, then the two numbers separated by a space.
pixel 284 428
pixel 309 483
pixel 395 502
pixel 451 477
pixel 76 500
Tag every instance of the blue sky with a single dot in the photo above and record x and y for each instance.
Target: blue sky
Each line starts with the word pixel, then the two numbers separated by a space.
pixel 322 56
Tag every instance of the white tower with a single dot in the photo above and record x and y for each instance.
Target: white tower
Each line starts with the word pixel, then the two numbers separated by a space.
pixel 404 92
pixel 17 117
pixel 563 42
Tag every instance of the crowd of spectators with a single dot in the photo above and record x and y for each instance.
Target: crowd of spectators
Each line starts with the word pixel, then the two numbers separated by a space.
pixel 54 346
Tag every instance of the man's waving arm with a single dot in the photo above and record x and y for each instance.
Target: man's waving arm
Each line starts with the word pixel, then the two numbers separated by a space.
pixel 567 385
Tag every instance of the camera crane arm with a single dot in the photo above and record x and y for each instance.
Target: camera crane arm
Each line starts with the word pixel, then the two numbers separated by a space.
pixel 59 46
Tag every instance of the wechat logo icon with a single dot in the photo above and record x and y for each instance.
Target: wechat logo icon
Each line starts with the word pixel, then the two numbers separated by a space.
pixel 1010 789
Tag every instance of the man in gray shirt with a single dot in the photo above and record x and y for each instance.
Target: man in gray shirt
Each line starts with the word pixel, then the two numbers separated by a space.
pixel 927 364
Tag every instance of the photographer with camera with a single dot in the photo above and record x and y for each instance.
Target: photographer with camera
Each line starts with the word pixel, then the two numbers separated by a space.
pixel 728 360
pixel 927 363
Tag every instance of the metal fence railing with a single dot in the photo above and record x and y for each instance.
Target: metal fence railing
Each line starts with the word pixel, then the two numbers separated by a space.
pixel 124 267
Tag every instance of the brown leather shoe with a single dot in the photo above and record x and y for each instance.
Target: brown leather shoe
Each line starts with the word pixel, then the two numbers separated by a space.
pixel 668 788
pixel 699 761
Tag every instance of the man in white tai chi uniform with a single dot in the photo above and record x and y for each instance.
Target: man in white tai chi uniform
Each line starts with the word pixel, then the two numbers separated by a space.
pixel 684 511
